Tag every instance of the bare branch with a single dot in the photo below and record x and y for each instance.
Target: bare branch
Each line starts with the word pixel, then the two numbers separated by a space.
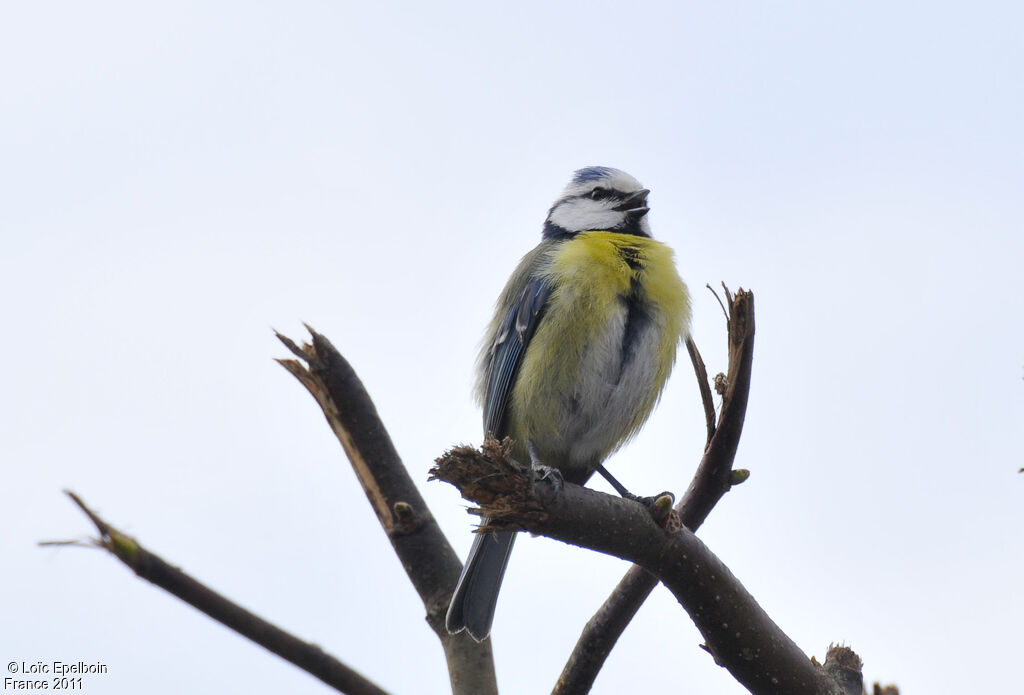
pixel 705 388
pixel 845 667
pixel 428 559
pixel 715 294
pixel 711 481
pixel 737 632
pixel 307 656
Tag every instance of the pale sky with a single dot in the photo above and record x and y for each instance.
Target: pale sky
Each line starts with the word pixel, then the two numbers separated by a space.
pixel 177 180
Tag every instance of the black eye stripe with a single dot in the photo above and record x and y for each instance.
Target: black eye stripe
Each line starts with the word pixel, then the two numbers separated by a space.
pixel 600 193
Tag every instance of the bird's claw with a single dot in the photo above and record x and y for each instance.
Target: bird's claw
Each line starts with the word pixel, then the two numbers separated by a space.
pixel 541 472
pixel 552 476
pixel 649 501
pixel 661 509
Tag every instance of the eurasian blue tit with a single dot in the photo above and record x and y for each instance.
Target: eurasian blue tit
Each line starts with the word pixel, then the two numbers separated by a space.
pixel 582 342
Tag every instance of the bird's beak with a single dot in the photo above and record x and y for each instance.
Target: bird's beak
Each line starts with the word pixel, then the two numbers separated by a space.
pixel 635 205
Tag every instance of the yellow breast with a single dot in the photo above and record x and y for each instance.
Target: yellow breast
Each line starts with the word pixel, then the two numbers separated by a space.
pixel 575 383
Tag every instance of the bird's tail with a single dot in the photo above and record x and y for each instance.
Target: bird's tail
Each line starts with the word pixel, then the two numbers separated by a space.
pixel 476 594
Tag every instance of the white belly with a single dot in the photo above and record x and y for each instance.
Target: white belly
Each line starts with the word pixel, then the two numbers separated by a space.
pixel 609 394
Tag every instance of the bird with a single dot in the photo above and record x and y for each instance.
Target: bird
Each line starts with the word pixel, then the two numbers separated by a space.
pixel 583 340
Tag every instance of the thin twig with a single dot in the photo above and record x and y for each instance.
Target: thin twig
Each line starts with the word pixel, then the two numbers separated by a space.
pixel 705 388
pixel 725 312
pixel 309 657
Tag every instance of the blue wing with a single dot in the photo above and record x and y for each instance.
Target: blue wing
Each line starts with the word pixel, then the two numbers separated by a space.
pixel 476 594
pixel 506 353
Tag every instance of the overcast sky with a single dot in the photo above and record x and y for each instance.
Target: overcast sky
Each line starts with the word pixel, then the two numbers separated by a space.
pixel 177 180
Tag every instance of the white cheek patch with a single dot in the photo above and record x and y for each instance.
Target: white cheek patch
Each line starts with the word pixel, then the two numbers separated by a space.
pixel 580 214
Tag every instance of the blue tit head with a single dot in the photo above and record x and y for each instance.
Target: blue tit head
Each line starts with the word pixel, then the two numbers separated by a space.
pixel 599 199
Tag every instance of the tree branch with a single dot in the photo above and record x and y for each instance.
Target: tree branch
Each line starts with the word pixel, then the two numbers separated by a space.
pixel 704 386
pixel 428 559
pixel 307 656
pixel 737 632
pixel 711 481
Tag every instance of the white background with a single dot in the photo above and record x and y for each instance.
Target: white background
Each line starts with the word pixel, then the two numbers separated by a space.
pixel 176 180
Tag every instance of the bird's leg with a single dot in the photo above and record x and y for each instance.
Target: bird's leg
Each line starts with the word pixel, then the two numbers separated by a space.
pixel 621 489
pixel 552 475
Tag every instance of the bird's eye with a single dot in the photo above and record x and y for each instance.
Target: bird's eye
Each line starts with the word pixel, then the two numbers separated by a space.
pixel 599 193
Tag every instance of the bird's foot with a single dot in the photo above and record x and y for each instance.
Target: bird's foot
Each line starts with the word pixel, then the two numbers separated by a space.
pixel 650 502
pixel 541 472
pixel 553 476
pixel 662 511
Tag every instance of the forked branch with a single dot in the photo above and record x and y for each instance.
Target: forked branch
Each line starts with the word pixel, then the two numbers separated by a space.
pixel 714 477
pixel 428 558
pixel 737 631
